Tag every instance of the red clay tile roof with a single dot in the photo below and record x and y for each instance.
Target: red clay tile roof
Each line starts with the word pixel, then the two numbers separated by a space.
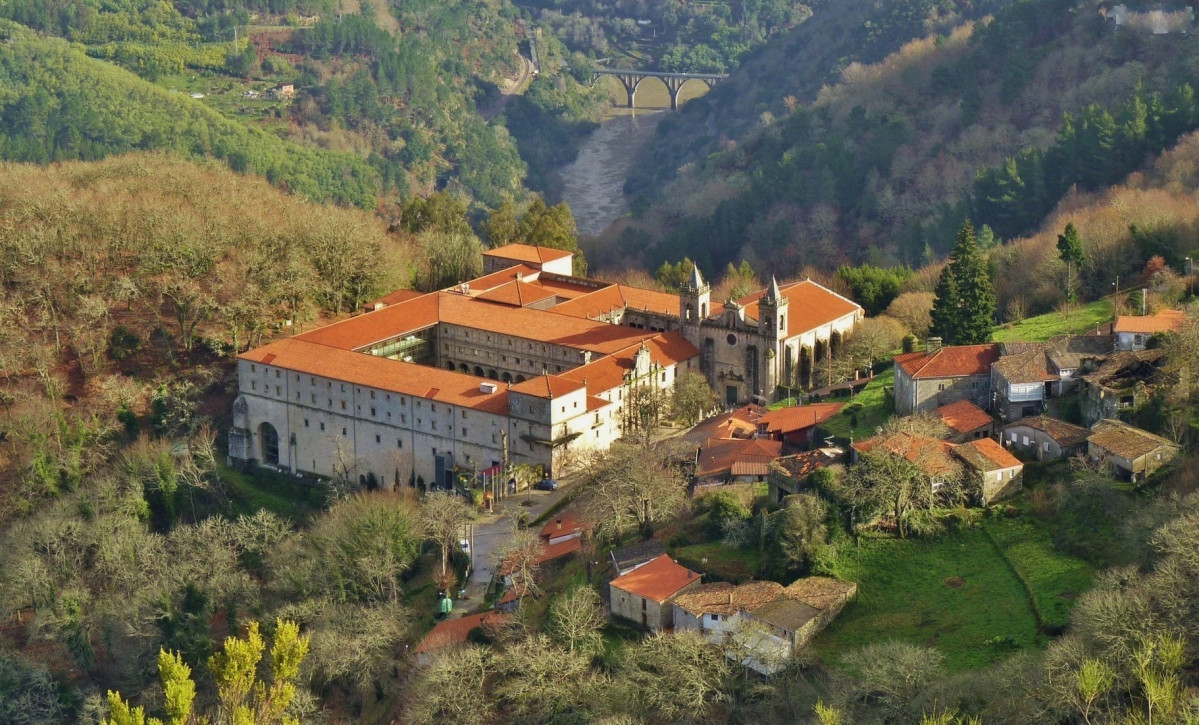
pixel 738 423
pixel 963 416
pixel 606 373
pixel 565 523
pixel 986 455
pixel 526 253
pixel 359 368
pixel 912 447
pixel 750 466
pixel 394 298
pixel 949 362
pixel 547 386
pixel 657 581
pixel 651 300
pixel 799 417
pixel 726 599
pixel 516 293
pixel 594 304
pixel 1164 321
pixel 722 455
pixel 548 552
pixel 810 306
pixel 1066 434
pixel 495 279
pixel 454 631
pixel 390 322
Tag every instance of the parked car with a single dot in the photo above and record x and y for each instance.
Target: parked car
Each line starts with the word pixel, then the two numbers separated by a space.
pixel 546 484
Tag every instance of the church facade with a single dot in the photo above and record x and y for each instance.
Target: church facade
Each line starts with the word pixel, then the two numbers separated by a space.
pixel 524 365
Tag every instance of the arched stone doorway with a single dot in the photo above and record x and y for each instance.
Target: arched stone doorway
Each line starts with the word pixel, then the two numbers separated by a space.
pixel 269 440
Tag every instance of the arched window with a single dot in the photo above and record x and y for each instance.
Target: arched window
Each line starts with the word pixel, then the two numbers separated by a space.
pixel 269 438
pixel 464 368
pixel 493 375
pixel 520 378
pixel 478 371
pixel 449 364
pixel 703 310
pixel 688 312
pixel 506 377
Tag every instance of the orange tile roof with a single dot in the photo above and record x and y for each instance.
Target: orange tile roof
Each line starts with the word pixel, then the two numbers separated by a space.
pixel 394 298
pixel 986 455
pixel 912 447
pixel 385 324
pixel 963 416
pixel 504 276
pixel 949 362
pixel 548 552
pixel 809 306
pixel 540 325
pixel 565 523
pixel 1164 321
pixel 516 293
pixel 657 581
pixel 594 304
pixel 526 253
pixel 804 464
pixel 799 417
pixel 547 386
pixel 721 455
pixel 652 300
pixel 358 368
pixel 606 373
pixel 738 423
pixel 455 631
pixel 569 287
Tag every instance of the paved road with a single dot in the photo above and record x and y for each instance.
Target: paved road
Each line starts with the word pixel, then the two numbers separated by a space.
pixel 492 532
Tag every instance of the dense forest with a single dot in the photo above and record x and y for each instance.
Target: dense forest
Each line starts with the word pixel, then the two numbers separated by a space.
pixel 883 165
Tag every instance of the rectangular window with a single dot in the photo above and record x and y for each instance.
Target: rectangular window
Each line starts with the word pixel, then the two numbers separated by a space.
pixel 343 387
pixel 343 405
pixel 399 443
pixel 253 385
pixel 403 418
pixel 372 395
pixel 343 432
pixel 322 426
pixel 278 390
pixel 464 415
pixel 253 368
pixel 276 373
pixel 434 425
pixel 1046 446
pixel 377 438
pixel 314 398
pixel 433 407
pixel 372 410
pixel 305 422
pixel 311 381
pixel 463 432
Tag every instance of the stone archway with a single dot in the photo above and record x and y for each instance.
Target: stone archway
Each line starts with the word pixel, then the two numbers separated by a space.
pixel 268 439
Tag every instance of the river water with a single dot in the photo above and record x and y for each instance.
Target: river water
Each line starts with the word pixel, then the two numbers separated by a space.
pixel 593 185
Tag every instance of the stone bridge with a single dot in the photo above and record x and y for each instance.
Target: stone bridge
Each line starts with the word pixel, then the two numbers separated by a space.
pixel 674 82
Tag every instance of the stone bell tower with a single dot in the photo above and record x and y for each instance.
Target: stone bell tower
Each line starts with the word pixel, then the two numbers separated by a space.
pixel 772 330
pixel 694 299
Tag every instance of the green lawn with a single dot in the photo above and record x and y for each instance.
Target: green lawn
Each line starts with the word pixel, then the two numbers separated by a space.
pixel 1053 578
pixel 719 562
pixel 263 489
pixel 875 409
pixel 1042 327
pixel 954 592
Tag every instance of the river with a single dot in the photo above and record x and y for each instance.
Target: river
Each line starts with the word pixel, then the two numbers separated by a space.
pixel 593 184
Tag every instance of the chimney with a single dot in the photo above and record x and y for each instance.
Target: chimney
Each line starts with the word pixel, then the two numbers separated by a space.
pixel 559 524
pixel 520 276
pixel 932 345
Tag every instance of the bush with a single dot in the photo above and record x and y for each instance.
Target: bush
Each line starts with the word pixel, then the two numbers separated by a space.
pixel 123 343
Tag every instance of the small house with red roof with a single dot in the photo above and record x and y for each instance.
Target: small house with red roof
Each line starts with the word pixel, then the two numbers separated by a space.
pixel 1046 438
pixel 966 421
pixel 928 379
pixel 646 594
pixel 1000 472
pixel 565 525
pixel 450 633
pixel 795 424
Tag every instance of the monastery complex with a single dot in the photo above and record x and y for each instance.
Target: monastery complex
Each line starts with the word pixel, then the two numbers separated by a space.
pixel 526 361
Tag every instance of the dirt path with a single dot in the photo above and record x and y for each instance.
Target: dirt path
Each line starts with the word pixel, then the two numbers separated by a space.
pixel 383 17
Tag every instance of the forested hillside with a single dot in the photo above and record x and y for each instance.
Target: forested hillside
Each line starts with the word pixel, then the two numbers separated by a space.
pixel 58 104
pixel 408 94
pixel 882 165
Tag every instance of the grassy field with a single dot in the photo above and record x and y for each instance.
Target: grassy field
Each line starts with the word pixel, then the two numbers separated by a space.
pixel 719 562
pixel 1043 327
pixel 954 592
pixel 272 491
pixel 1052 578
pixel 875 409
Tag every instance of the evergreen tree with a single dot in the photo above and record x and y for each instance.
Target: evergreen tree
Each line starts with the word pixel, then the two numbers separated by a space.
pixel 1069 247
pixel 964 308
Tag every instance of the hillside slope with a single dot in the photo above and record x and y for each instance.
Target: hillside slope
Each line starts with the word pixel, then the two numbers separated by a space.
pixel 882 165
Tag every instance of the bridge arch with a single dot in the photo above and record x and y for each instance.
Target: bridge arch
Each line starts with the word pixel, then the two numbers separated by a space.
pixel 674 82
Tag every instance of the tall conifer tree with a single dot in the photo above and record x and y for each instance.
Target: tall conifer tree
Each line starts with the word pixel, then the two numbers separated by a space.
pixel 964 309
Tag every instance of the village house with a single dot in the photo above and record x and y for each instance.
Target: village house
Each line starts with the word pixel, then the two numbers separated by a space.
pixel 966 421
pixel 1000 472
pixel 1046 438
pixel 627 558
pixel 791 473
pixel 736 460
pixel 1133 331
pixel 1027 374
pixel 796 425
pixel 646 594
pixel 451 633
pixel 937 376
pixel 761 624
pixel 524 365
pixel 931 455
pixel 563 527
pixel 1132 453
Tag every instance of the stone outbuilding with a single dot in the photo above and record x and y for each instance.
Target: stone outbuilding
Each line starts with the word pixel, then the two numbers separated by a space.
pixel 1132 453
pixel 1000 471
pixel 1046 438
pixel 646 594
pixel 937 376
pixel 966 421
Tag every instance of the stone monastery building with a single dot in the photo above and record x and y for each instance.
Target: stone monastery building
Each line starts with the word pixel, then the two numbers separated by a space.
pixel 526 358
